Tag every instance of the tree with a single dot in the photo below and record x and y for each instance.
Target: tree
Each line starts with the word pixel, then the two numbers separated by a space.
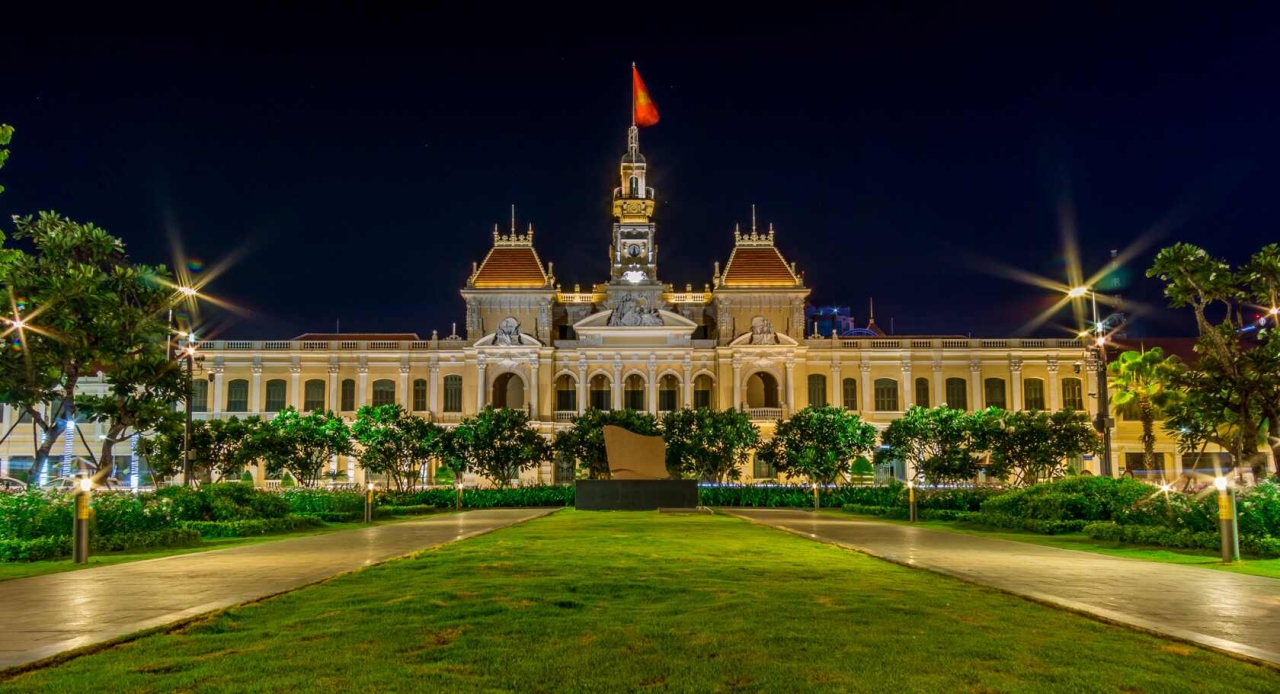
pixel 1142 382
pixel 6 133
pixel 395 443
pixel 498 443
pixel 218 446
pixel 1035 445
pixel 584 440
pixel 708 444
pixel 1262 277
pixel 304 444
pixel 940 442
pixel 85 308
pixel 819 443
pixel 140 395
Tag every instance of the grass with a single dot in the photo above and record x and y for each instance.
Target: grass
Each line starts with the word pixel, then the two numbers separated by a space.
pixel 582 601
pixel 12 570
pixel 1269 568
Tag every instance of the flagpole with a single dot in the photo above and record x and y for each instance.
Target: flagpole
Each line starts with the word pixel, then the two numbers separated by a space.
pixel 633 93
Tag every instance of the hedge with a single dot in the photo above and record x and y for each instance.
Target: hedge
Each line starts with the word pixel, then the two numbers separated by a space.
pixel 1005 521
pixel 516 497
pixel 1159 536
pixel 302 501
pixel 904 513
pixel 53 547
pixel 252 528
pixel 416 510
pixel 39 549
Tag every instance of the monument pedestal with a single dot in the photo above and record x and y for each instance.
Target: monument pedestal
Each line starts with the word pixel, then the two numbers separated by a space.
pixel 635 495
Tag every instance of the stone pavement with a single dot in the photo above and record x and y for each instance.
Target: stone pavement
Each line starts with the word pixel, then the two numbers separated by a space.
pixel 1217 609
pixel 42 616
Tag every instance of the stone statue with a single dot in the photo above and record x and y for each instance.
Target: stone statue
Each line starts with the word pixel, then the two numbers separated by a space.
pixel 633 311
pixel 762 332
pixel 508 333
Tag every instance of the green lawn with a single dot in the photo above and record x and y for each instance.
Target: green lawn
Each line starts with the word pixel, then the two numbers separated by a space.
pixel 1079 541
pixel 12 570
pixel 582 601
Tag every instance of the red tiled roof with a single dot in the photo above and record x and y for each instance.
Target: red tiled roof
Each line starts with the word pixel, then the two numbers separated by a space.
pixel 334 337
pixel 757 267
pixel 511 268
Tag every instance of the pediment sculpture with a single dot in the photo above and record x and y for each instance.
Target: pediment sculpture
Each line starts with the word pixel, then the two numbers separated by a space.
pixel 762 332
pixel 633 311
pixel 508 332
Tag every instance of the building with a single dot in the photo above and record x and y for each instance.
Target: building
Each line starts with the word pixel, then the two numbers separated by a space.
pixel 637 342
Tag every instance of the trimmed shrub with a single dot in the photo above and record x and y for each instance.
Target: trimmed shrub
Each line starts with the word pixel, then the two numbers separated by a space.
pixel 335 516
pixel 1160 536
pixel 155 539
pixel 903 512
pixel 302 501
pixel 252 528
pixel 1083 498
pixel 38 549
pixel 224 501
pixel 418 510
pixel 1005 521
pixel 519 497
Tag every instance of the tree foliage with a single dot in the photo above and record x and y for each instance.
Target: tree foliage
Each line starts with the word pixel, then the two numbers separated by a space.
pixel 220 447
pixel 584 440
pixel 708 444
pixel 819 443
pixel 396 443
pixel 1141 383
pixel 943 444
pixel 497 444
pixel 6 134
pixel 1035 445
pixel 302 444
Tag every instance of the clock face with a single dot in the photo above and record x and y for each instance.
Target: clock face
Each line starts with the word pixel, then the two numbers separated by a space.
pixel 634 250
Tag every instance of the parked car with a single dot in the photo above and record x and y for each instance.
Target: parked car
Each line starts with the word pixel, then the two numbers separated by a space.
pixel 69 484
pixel 11 485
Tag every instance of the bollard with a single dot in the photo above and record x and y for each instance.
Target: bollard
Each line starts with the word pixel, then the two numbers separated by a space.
pixel 911 498
pixel 1227 520
pixel 368 504
pixel 80 526
pixel 458 503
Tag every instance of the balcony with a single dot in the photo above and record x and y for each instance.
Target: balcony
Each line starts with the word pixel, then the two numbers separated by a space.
pixel 764 414
pixel 564 416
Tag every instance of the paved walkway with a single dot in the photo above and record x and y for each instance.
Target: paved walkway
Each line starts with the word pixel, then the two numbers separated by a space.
pixel 46 615
pixel 1217 609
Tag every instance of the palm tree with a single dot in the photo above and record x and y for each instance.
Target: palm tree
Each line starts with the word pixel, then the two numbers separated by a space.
pixel 1140 384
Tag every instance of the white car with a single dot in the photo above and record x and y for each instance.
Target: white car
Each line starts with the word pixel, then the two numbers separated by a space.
pixel 11 485
pixel 70 484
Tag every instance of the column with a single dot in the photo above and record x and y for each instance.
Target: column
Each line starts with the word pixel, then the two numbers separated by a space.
pixel 333 388
pixel 405 402
pixel 433 393
pixel 218 392
pixel 617 383
pixel 1054 391
pixel 534 365
pixel 1015 384
pixel 837 386
pixel 975 386
pixel 789 367
pixel 255 392
pixel 866 386
pixel 908 387
pixel 653 386
pixel 737 384
pixel 362 371
pixel 939 394
pixel 480 384
pixel 688 383
pixel 295 387
pixel 583 385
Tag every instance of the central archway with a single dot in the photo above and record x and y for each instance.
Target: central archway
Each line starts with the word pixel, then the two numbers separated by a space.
pixel 508 391
pixel 762 390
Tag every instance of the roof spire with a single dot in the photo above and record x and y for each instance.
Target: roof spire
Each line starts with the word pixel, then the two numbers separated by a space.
pixel 871 300
pixel 513 218
pixel 753 218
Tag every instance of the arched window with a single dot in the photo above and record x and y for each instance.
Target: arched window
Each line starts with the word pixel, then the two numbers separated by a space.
pixel 348 395
pixel 1072 394
pixel 849 393
pixel 313 395
pixel 275 395
pixel 886 395
pixel 957 394
pixel 703 391
pixel 762 390
pixel 633 393
pixel 668 393
pixel 453 393
pixel 238 395
pixel 994 391
pixel 508 391
pixel 420 395
pixel 1033 394
pixel 817 390
pixel 566 394
pixel 635 186
pixel 922 392
pixel 600 393
pixel 199 395
pixel 384 392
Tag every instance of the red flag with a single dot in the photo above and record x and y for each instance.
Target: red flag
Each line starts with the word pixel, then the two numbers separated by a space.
pixel 643 111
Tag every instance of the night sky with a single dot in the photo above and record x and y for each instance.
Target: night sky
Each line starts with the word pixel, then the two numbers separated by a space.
pixel 361 159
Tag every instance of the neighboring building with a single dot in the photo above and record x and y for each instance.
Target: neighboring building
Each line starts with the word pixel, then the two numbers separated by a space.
pixel 637 342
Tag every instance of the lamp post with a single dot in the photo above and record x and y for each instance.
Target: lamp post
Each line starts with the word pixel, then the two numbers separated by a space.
pixel 911 498
pixel 80 526
pixel 368 504
pixel 1227 520
pixel 1102 423
pixel 189 356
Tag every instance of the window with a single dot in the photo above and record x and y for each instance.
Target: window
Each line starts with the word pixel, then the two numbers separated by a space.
pixel 633 393
pixel 957 394
pixel 1072 394
pixel 238 395
pixel 817 390
pixel 384 392
pixel 635 186
pixel 275 395
pixel 348 395
pixel 849 393
pixel 566 394
pixel 1033 394
pixel 994 389
pixel 453 393
pixel 600 393
pixel 762 470
pixel 922 392
pixel 313 395
pixel 1136 463
pixel 668 393
pixel 702 392
pixel 886 395
pixel 199 395
pixel 420 395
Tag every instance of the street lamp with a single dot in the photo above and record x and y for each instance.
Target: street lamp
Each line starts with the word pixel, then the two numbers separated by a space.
pixel 911 498
pixel 368 504
pixel 188 354
pixel 80 526
pixel 1227 520
pixel 1102 422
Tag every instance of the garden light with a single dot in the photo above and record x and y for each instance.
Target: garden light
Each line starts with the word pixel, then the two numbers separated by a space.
pixel 368 504
pixel 86 484
pixel 911 498
pixel 1077 292
pixel 1220 483
pixel 80 524
pixel 187 291
pixel 1228 528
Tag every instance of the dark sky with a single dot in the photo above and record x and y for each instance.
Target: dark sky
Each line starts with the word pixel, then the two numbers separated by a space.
pixel 363 157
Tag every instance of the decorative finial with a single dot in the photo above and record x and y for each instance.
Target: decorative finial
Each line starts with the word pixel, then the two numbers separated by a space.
pixel 435 335
pixel 872 304
pixel 753 218
pixel 513 218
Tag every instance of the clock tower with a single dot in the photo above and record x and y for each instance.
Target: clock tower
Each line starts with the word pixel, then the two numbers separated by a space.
pixel 633 256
